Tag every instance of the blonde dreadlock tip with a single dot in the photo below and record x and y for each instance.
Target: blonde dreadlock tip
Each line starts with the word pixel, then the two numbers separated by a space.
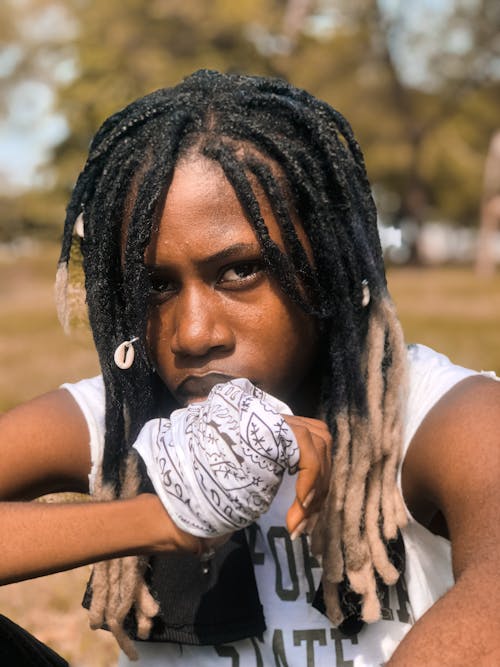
pixel 332 603
pixel 371 612
pixel 147 603
pixel 362 579
pixel 390 576
pixel 335 616
pixel 60 295
pixel 124 642
pixel 99 595
pixel 390 528
pixel 144 624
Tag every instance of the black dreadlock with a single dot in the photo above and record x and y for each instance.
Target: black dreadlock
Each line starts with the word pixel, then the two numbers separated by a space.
pixel 302 154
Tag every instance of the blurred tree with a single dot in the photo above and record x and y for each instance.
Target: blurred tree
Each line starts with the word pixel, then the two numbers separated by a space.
pixel 421 87
pixel 418 82
pixel 96 57
pixel 127 48
pixel 36 56
pixel 490 210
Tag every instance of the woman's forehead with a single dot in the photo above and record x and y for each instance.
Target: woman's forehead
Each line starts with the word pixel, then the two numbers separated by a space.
pixel 202 213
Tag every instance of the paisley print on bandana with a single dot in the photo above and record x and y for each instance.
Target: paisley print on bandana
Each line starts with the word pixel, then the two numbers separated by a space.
pixel 217 465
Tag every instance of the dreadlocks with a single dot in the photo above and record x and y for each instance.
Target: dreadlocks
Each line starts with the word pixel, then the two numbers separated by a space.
pixel 302 154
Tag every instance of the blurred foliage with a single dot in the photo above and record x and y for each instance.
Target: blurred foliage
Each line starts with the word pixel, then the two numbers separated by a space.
pixel 35 37
pixel 425 141
pixel 127 48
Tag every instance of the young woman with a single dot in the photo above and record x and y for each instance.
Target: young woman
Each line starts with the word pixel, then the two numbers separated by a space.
pixel 237 297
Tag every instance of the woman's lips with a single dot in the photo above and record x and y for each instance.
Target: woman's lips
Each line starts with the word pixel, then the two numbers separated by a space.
pixel 196 388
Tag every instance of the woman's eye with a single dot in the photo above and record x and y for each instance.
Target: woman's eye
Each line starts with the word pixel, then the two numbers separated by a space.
pixel 241 272
pixel 161 287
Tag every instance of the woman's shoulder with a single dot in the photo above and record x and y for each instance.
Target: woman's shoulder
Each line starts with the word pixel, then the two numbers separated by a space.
pixel 89 395
pixel 424 360
pixel 430 376
pixel 93 386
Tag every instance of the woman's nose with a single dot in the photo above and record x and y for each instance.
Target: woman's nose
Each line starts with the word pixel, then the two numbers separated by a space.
pixel 200 323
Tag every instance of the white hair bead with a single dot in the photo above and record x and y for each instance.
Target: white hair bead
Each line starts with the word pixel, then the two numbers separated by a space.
pixel 78 228
pixel 366 293
pixel 125 353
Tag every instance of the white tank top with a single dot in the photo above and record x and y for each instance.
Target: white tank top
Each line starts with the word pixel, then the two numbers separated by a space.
pixel 287 575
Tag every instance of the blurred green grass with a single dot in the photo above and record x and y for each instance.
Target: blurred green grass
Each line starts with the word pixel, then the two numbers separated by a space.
pixel 449 309
pixel 452 310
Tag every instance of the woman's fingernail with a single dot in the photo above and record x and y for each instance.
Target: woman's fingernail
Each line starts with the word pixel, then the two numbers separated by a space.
pixel 309 499
pixel 299 530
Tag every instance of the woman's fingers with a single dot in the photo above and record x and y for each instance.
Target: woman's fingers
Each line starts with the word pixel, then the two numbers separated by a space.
pixel 315 444
pixel 314 425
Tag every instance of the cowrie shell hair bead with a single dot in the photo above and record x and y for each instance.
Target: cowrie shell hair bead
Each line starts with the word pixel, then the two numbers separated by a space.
pixel 78 228
pixel 366 293
pixel 125 353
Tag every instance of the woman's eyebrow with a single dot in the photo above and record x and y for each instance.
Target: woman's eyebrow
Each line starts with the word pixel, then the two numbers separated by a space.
pixel 231 251
pixel 234 251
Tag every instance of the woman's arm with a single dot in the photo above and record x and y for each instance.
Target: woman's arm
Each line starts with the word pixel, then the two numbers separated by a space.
pixel 453 465
pixel 44 448
pixel 42 538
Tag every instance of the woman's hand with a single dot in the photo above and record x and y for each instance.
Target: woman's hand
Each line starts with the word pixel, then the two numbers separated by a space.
pixel 315 444
pixel 167 536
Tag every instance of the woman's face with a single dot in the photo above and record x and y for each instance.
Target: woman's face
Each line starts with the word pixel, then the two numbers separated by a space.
pixel 215 314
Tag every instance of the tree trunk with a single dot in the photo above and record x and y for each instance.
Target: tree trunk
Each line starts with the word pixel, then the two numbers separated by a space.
pixel 489 221
pixel 489 224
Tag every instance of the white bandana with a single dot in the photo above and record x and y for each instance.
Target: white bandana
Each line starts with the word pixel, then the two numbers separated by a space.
pixel 217 465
